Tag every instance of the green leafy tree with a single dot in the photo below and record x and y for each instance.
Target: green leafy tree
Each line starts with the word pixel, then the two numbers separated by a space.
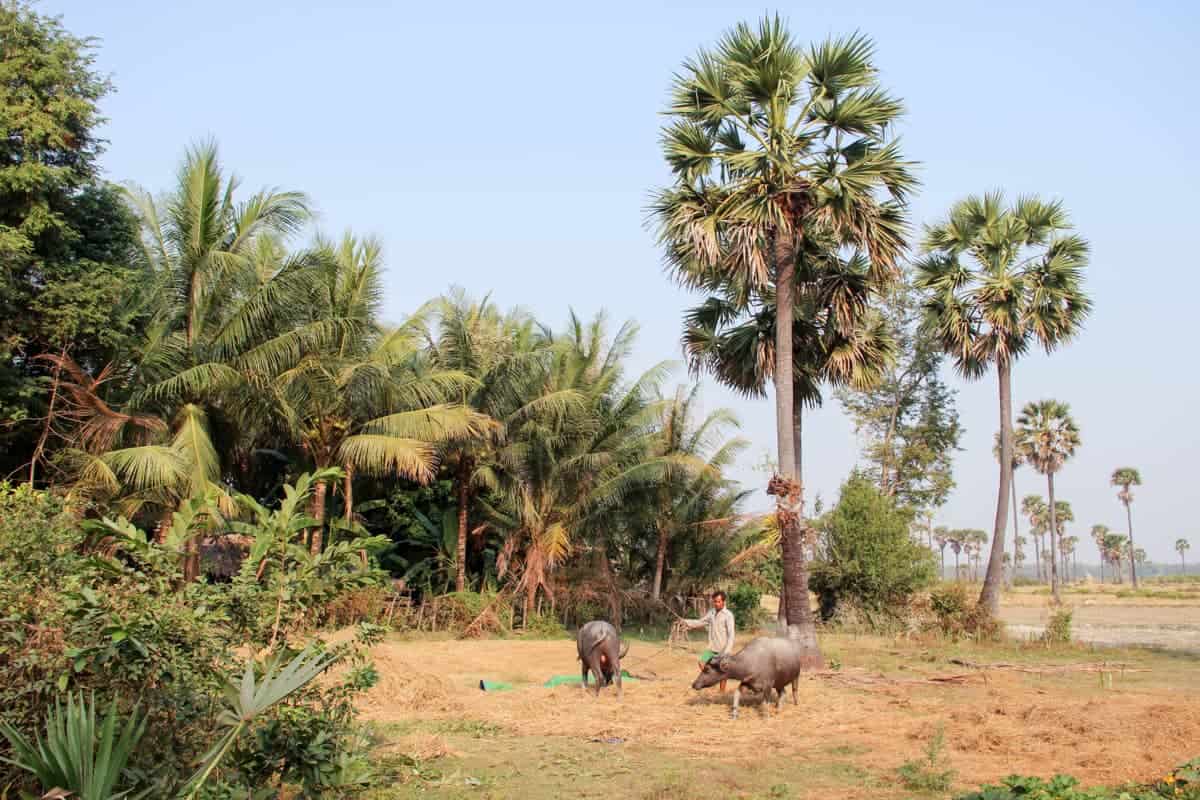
pixel 1127 478
pixel 908 416
pixel 866 554
pixel 68 281
pixel 1000 280
pixel 1047 437
pixel 772 144
pixel 1181 547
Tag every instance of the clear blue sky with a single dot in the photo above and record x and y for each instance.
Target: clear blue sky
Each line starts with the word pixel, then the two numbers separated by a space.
pixel 509 147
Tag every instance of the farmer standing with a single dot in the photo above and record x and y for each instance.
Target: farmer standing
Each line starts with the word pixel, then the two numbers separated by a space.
pixel 719 621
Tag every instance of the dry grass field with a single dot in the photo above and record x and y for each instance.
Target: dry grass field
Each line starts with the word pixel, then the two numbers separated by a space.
pixel 1106 715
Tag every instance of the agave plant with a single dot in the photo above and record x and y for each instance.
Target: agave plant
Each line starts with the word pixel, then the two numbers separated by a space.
pixel 78 758
pixel 249 699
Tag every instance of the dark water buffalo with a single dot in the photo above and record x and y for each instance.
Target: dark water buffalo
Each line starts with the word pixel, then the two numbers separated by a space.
pixel 763 665
pixel 600 651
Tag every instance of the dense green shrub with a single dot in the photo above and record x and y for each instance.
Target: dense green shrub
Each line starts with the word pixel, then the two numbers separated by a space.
pixel 1058 627
pixel 745 601
pixel 867 556
pixel 98 608
pixel 955 614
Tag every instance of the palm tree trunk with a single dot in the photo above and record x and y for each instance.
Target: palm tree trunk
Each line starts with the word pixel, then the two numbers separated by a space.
pixel 957 571
pixel 1037 556
pixel 1053 541
pixel 789 502
pixel 1016 528
pixel 989 597
pixel 660 561
pixel 1132 548
pixel 317 512
pixel 605 569
pixel 348 492
pixel 943 575
pixel 164 523
pixel 464 477
pixel 1101 549
pixel 781 614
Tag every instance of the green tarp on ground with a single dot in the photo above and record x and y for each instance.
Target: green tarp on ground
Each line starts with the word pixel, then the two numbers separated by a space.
pixel 557 680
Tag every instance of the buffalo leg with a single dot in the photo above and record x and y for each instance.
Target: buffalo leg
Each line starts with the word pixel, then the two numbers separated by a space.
pixel 795 696
pixel 597 673
pixel 583 685
pixel 737 699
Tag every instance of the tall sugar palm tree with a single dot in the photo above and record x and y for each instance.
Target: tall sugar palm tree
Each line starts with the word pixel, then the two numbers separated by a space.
pixel 957 539
pixel 1047 437
pixel 1127 478
pixel 1000 280
pixel 770 142
pixel 1099 534
pixel 941 535
pixel 1017 462
pixel 1181 547
pixel 1034 507
pixel 1114 550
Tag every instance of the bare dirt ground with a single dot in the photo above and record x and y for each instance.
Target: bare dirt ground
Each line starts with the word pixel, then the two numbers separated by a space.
pixel 853 727
pixel 1166 616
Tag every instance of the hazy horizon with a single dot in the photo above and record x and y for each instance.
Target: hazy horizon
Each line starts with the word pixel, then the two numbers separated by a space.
pixel 512 150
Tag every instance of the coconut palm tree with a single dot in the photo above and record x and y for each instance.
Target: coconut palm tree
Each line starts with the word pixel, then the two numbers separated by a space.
pixel 579 447
pixel 1126 478
pixel 770 143
pixel 680 435
pixel 226 312
pixel 370 402
pixel 1046 438
pixel 1181 547
pixel 1000 280
pixel 501 354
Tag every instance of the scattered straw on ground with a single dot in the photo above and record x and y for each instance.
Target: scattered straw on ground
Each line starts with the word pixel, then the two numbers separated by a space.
pixel 1007 721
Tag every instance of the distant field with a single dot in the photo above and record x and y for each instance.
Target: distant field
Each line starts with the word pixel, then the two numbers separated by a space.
pixel 1160 614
